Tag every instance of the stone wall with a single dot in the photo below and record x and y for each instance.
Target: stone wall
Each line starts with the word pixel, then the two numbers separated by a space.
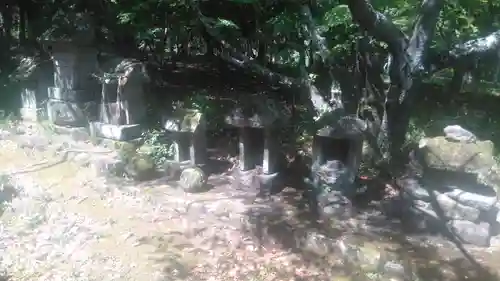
pixel 454 189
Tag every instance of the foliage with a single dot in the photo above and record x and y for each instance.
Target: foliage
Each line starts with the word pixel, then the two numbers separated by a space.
pixel 157 147
pixel 278 35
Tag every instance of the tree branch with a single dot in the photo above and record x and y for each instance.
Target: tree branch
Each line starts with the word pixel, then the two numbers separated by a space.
pixel 423 33
pixel 466 53
pixel 377 24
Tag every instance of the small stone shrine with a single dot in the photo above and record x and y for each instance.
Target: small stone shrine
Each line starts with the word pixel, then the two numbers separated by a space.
pixel 259 140
pixel 74 87
pixel 452 188
pixel 336 156
pixel 122 108
pixel 188 131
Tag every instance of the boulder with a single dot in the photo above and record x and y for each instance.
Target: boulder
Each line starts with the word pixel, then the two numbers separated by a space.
pixel 476 158
pixel 140 167
pixel 193 180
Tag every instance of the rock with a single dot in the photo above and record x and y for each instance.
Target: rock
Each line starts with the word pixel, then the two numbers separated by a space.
pixel 193 180
pixel 477 201
pixel 495 241
pixel 476 158
pixel 82 159
pixel 4 134
pixel 394 269
pixel 334 205
pixel 420 217
pixel 469 232
pixel 172 169
pixel 267 184
pixel 454 210
pixel 369 257
pixel 457 133
pixel 109 166
pixel 34 142
pixel 319 244
pixel 7 191
pixel 411 187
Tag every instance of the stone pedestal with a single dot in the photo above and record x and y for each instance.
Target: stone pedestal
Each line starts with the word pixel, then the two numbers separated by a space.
pixel 115 132
pixel 188 129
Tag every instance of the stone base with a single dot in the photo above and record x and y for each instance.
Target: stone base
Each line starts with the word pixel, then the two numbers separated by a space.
pixel 31 114
pixel 115 132
pixel 65 113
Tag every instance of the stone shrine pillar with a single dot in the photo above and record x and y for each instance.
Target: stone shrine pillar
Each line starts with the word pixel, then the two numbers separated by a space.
pixel 259 142
pixel 74 85
pixel 188 129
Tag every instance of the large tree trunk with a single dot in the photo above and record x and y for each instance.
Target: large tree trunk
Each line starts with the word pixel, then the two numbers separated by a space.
pixel 407 64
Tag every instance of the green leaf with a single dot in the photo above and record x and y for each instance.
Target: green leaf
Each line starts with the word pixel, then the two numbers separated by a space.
pixel 225 23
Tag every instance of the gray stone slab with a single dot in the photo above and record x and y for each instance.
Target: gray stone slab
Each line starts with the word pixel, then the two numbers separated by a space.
pixel 477 201
pixel 65 94
pixel 115 132
pixel 454 210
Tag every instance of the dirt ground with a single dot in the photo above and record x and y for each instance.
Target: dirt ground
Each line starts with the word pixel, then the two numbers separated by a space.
pixel 209 236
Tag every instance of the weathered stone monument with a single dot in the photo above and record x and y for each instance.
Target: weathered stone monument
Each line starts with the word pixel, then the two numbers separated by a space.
pixel 122 108
pixel 187 128
pixel 74 86
pixel 35 76
pixel 454 188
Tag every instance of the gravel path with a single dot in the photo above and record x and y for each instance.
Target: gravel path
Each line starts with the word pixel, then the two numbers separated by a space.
pixel 68 224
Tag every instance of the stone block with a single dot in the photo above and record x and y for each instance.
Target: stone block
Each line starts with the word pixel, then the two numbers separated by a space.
pixel 477 201
pixel 454 210
pixel 66 94
pixel 65 113
pixel 472 233
pixel 30 114
pixel 115 132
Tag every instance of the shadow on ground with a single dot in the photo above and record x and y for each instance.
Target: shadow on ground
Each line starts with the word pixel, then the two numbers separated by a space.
pixel 368 246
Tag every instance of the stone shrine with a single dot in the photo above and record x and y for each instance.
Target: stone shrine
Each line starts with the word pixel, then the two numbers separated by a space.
pixel 336 156
pixel 74 86
pixel 259 140
pixel 188 131
pixel 122 108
